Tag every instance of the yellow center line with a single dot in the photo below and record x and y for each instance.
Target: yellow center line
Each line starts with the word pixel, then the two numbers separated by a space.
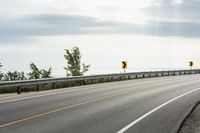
pixel 60 109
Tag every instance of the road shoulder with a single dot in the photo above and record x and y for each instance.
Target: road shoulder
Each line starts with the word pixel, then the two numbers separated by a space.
pixel 191 124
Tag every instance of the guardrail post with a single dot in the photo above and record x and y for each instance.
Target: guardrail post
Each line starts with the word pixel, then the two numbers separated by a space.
pixel 37 87
pixel 157 75
pixel 143 75
pixel 54 85
pixel 83 82
pixel 68 84
pixel 18 90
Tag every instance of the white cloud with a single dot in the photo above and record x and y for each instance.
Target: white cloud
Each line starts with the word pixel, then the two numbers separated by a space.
pixel 109 10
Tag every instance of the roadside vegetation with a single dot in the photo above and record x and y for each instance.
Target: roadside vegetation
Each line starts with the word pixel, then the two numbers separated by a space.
pixel 34 74
pixel 73 68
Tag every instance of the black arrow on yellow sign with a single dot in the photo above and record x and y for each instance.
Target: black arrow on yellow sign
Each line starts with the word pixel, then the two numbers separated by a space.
pixel 124 64
pixel 191 63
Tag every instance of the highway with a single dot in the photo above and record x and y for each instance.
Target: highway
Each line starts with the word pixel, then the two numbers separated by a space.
pixel 151 105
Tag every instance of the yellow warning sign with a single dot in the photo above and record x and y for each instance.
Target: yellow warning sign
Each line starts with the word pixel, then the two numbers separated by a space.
pixel 191 64
pixel 124 64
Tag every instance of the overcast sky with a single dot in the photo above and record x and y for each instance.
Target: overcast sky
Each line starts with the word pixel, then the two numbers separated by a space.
pixel 149 34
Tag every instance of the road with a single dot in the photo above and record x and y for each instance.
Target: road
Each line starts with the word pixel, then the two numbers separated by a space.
pixel 152 105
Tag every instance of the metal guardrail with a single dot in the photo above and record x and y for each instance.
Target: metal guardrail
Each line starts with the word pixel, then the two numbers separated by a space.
pixel 97 78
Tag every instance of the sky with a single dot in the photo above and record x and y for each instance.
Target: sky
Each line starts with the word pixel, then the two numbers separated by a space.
pixel 148 34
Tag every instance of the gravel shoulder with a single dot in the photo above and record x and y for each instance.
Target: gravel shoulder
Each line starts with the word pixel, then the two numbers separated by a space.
pixel 192 123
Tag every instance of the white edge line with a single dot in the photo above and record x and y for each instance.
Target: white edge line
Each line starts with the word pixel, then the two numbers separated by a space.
pixel 152 111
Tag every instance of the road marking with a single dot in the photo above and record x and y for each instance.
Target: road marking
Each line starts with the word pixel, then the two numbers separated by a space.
pixel 67 91
pixel 61 109
pixel 53 93
pixel 56 93
pixel 152 111
pixel 49 94
pixel 87 102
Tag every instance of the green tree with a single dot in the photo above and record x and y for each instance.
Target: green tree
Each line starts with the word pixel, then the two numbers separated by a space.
pixel 46 73
pixel 73 58
pixel 22 76
pixel 1 74
pixel 11 76
pixel 36 73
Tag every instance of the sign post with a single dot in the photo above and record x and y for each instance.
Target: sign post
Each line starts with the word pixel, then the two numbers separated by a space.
pixel 124 65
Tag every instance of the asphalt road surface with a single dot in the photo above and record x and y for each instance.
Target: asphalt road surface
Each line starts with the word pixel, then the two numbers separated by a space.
pixel 153 105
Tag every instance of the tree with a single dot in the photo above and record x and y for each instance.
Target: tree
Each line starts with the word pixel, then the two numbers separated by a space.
pixel 73 58
pixel 1 74
pixel 46 73
pixel 36 73
pixel 11 76
pixel 22 76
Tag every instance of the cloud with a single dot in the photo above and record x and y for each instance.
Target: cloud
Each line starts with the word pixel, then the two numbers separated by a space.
pixel 49 25
pixel 38 25
pixel 182 10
